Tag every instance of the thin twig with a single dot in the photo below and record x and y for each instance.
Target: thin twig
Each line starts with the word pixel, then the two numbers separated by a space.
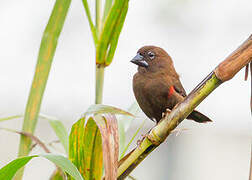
pixel 246 72
pixel 32 137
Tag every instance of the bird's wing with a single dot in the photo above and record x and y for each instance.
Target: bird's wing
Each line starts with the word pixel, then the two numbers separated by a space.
pixel 179 88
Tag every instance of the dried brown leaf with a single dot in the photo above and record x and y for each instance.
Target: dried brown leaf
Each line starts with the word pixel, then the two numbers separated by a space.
pixel 110 142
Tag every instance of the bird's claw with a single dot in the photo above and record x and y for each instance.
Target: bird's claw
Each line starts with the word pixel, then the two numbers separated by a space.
pixel 167 111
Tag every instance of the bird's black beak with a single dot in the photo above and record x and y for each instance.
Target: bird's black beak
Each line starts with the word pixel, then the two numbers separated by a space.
pixel 139 60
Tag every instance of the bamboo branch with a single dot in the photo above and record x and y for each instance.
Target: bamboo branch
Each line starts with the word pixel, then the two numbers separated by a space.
pixel 99 76
pixel 223 72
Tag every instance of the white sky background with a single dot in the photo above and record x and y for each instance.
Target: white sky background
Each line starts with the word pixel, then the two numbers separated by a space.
pixel 197 34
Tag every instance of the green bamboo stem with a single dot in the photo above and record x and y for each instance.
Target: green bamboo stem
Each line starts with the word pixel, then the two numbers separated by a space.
pixel 99 84
pixel 225 71
pixel 99 76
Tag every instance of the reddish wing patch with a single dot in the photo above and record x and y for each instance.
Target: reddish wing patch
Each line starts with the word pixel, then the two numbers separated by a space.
pixel 171 91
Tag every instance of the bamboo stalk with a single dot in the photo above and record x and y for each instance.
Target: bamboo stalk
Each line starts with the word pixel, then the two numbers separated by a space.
pixel 99 84
pixel 99 75
pixel 225 71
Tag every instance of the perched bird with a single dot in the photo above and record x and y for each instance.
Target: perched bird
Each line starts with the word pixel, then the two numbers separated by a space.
pixel 157 86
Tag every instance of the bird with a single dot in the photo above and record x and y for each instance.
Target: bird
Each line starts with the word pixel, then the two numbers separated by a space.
pixel 156 84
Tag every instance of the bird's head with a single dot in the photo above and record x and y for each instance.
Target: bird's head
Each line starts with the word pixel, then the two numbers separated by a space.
pixel 152 58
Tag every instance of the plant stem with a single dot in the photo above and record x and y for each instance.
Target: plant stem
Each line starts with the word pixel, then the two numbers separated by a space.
pixel 99 76
pixel 99 83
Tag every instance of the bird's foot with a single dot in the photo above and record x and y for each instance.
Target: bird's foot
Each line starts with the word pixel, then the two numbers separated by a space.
pixel 179 131
pixel 167 111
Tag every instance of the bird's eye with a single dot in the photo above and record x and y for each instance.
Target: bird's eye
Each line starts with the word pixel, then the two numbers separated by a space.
pixel 151 55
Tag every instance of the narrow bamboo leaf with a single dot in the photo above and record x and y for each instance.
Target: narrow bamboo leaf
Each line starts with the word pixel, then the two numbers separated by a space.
pixel 8 171
pixel 132 139
pixel 11 117
pixel 46 53
pixel 103 109
pixel 92 151
pixel 86 148
pixel 91 24
pixel 107 7
pixel 59 130
pixel 108 29
pixel 124 123
pixel 76 141
pixel 122 137
pixel 58 174
pixel 115 35
pixel 98 18
pixel 61 133
pixel 127 120
pixel 110 143
pixel 64 164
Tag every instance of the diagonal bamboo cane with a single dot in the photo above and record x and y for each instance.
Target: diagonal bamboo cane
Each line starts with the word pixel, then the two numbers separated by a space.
pixel 223 72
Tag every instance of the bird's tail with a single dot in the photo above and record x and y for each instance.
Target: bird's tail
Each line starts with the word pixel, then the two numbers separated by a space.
pixel 198 117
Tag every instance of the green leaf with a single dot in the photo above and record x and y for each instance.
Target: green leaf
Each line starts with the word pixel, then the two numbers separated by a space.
pixel 107 7
pixel 104 109
pixel 124 123
pixel 116 34
pixel 86 148
pixel 76 141
pixel 8 171
pixel 64 164
pixel 111 27
pixel 58 174
pixel 11 117
pixel 132 139
pixel 134 109
pixel 59 130
pixel 91 24
pixel 92 151
pixel 46 53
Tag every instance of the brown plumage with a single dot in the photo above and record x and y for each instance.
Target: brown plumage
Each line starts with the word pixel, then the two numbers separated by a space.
pixel 157 86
